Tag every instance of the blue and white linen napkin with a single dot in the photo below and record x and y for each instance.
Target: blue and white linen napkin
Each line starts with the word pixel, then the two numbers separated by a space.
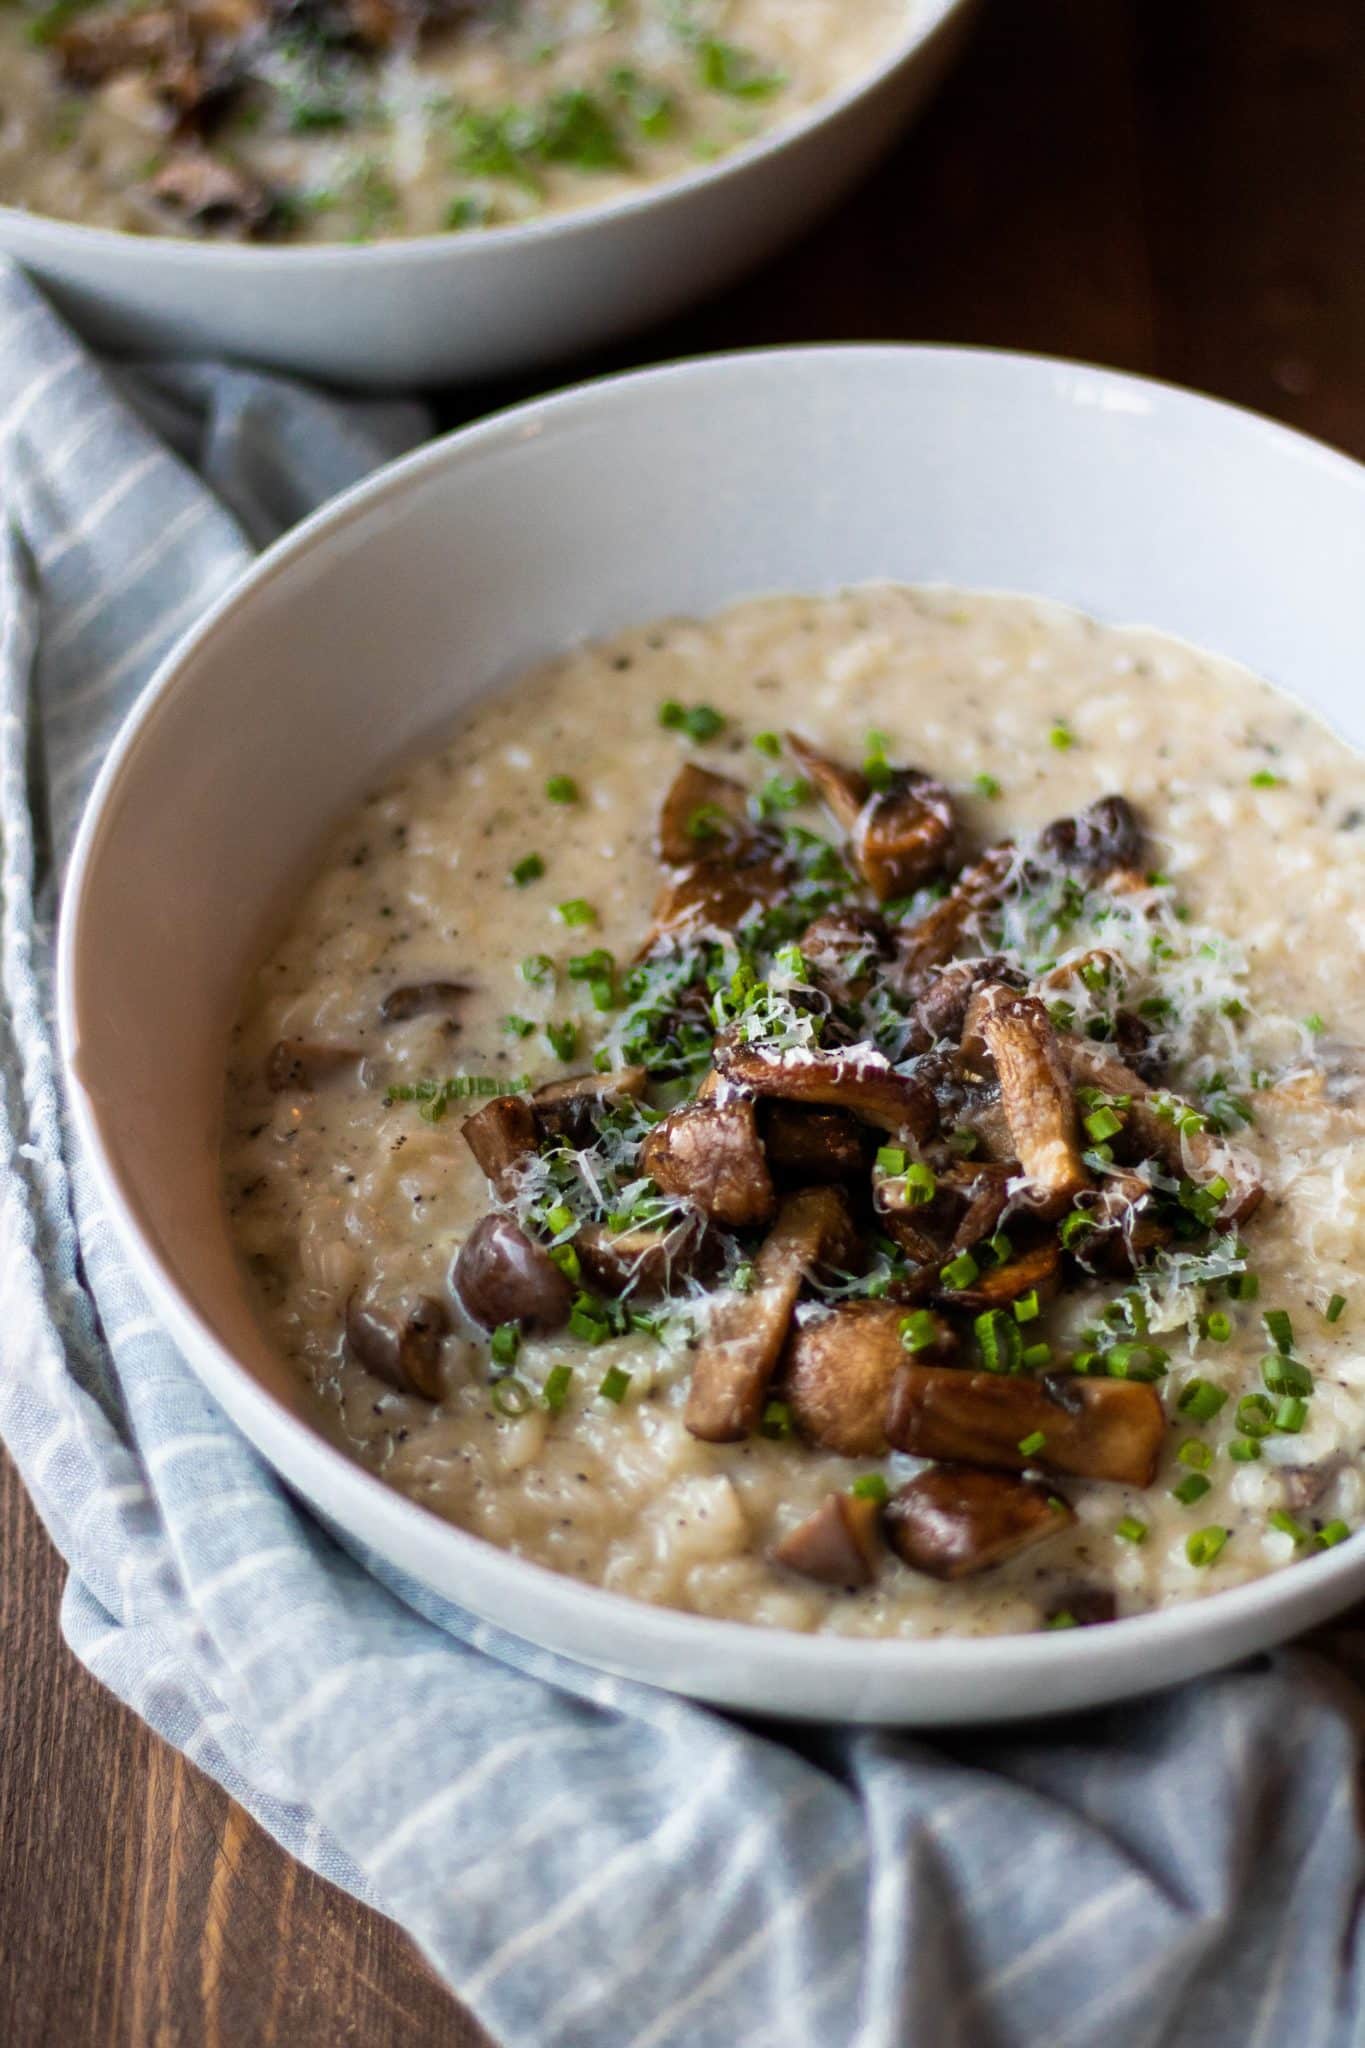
pixel 589 1864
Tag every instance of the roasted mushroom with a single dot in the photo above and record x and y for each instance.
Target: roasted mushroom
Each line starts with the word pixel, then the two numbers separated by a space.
pixel 838 1373
pixel 703 816
pixel 1159 1125
pixel 941 1010
pixel 922 947
pixel 810 1145
pixel 1035 1271
pixel 571 1108
pixel 837 1545
pixel 641 1260
pixel 899 834
pixel 717 895
pixel 212 196
pixel 502 1136
pixel 1094 1428
pixel 739 1353
pixel 953 1521
pixel 1104 836
pixel 400 1345
pixel 841 949
pixel 709 1154
pixel 986 1186
pixel 861 1081
pixel 503 1276
pixel 422 998
pixel 299 1066
pixel 1035 1090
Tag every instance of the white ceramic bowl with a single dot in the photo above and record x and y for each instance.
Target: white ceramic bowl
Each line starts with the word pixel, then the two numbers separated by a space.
pixel 675 490
pixel 436 308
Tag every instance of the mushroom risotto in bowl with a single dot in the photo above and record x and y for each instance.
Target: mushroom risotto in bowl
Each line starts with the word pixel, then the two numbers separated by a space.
pixel 810 1146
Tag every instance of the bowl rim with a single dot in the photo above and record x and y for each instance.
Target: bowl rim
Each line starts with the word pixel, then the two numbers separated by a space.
pixel 1324 1581
pixel 80 237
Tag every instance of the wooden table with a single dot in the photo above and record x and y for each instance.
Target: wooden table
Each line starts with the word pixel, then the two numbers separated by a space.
pixel 1175 186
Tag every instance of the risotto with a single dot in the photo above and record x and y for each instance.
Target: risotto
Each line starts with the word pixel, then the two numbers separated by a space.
pixel 350 120
pixel 843 1116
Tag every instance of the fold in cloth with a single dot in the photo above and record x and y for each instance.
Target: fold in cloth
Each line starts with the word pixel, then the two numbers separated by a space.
pixel 584 1861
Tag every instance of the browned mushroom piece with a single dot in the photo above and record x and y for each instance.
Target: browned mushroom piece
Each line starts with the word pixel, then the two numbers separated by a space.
pixel 932 942
pixel 838 1545
pixel 641 1260
pixel 709 1153
pixel 717 896
pixel 1104 836
pixel 423 998
pixel 571 1108
pixel 738 1355
pixel 838 1372
pixel 1036 1092
pixel 702 816
pixel 401 1345
pixel 1094 1428
pixel 503 1276
pixel 212 196
pixel 941 1011
pixel 922 1248
pixel 1127 1229
pixel 985 1184
pixel 299 1066
pixel 953 1520
pixel 502 1136
pixel 1150 1134
pixel 900 834
pixel 841 949
pixel 1305 1485
pixel 1036 1270
pixel 860 1081
pixel 812 1145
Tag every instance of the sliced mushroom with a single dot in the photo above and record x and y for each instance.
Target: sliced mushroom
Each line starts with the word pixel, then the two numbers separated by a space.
pixel 812 1145
pixel 953 1521
pixel 1036 1092
pixel 841 949
pixel 702 815
pixel 212 196
pixel 422 998
pixel 941 1011
pixel 1104 836
pixel 1127 1229
pixel 838 1545
pixel 1094 1428
pixel 400 1345
pixel 899 835
pixel 299 1066
pixel 572 1108
pixel 709 1153
pixel 1149 1134
pixel 640 1260
pixel 839 1369
pixel 922 947
pixel 739 1352
pixel 502 1136
pixel 1036 1270
pixel 717 896
pixel 986 1185
pixel 503 1276
pixel 860 1081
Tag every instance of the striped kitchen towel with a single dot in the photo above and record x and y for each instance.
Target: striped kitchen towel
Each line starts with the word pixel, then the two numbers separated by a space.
pixel 585 1861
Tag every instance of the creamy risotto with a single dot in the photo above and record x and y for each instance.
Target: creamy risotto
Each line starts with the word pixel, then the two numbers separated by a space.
pixel 347 120
pixel 843 1116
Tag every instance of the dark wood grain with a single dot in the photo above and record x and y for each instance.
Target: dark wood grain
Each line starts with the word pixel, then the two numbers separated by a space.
pixel 1174 186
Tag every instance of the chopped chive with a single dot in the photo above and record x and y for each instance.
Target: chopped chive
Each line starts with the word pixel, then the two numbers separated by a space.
pixel 1291 1415
pixel 1331 1534
pixel 589 1320
pixel 1085 1362
pixel 614 1384
pixel 1279 1329
pixel 872 1486
pixel 505 1344
pixel 876 767
pixel 987 786
pixel 590 966
pixel 1076 1226
pixel 1131 1530
pixel 891 1160
pixel 1243 1286
pixel 1136 1362
pixel 921 1184
pixel 1200 1400
pixel 511 1396
pixel 700 723
pixel 960 1272
pixel 1026 1307
pixel 1000 1248
pixel 1244 1450
pixel 1063 1618
pixel 1216 1326
pixel 538 969
pixel 529 868
pixel 1192 1488
pixel 1314 1025
pixel 562 789
pixel 1000 1343
pixel 742 1279
pixel 919 1330
pixel 566 1258
pixel 1102 1124
pixel 517 1027
pixel 1195 1453
pixel 576 911
pixel 1204 1545
pixel 1285 1375
pixel 768 743
pixel 560 1218
pixel 1265 778
pixel 555 1392
pixel 562 1040
pixel 1333 1310
pixel 1036 1356
pixel 777 1421
pixel 1062 737
pixel 1030 1445
pixel 1287 1526
pixel 1255 1415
